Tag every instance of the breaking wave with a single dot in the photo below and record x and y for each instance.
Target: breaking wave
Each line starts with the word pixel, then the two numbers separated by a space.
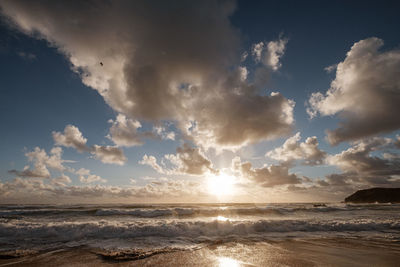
pixel 104 229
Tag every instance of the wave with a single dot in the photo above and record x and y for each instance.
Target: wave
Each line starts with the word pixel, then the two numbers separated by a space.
pixel 68 231
pixel 179 212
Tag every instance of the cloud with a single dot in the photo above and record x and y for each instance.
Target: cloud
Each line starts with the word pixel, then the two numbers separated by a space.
pixel 178 63
pixel 42 161
pixel 270 53
pixel 109 154
pixel 187 160
pixel 397 142
pixel 152 162
pixel 62 180
pixel 72 137
pixel 86 177
pixel 163 133
pixel 331 68
pixel 362 165
pixel 365 93
pixel 123 131
pixel 358 158
pixel 240 120
pixel 268 176
pixel 27 55
pixel 292 149
pixel 32 189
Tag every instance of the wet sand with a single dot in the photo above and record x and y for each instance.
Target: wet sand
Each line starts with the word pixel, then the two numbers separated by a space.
pixel 322 252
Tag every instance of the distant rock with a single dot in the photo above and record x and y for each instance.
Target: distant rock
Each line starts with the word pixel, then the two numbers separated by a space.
pixel 372 195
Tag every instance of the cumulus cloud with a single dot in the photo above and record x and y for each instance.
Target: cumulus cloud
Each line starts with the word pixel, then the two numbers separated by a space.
pixel 363 164
pixel 62 180
pixel 226 123
pixel 365 93
pixel 152 162
pixel 72 137
pixel 187 160
pixel 120 134
pixel 163 133
pixel 123 131
pixel 86 177
pixel 174 64
pixel 109 154
pixel 268 176
pixel 292 149
pixel 190 160
pixel 270 53
pixel 358 158
pixel 42 161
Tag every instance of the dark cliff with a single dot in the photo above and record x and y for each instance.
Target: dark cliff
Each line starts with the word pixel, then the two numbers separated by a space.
pixel 380 195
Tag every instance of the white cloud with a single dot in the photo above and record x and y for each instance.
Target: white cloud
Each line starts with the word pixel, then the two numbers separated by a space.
pixel 331 68
pixel 86 177
pixel 72 137
pixel 163 133
pixel 270 53
pixel 292 149
pixel 31 189
pixel 365 93
pixel 62 180
pixel 42 161
pixel 187 160
pixel 257 50
pixel 152 162
pixel 123 131
pixel 109 154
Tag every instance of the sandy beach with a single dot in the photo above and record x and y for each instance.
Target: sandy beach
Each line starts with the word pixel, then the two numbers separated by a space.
pixel 322 252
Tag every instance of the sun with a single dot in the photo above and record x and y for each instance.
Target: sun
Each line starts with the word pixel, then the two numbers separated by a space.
pixel 221 185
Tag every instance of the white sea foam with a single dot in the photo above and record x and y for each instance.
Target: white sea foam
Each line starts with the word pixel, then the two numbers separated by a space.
pixel 110 229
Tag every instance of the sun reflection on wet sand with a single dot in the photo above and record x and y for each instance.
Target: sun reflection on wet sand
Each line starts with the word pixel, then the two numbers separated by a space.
pixel 228 262
pixel 222 218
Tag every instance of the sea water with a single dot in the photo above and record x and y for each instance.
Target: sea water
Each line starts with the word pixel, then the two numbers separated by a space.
pixel 185 226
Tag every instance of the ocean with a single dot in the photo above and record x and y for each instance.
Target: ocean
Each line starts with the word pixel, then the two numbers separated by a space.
pixel 30 229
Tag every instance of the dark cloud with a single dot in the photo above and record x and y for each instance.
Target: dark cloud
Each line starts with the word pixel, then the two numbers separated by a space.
pixel 268 176
pixel 175 61
pixel 362 164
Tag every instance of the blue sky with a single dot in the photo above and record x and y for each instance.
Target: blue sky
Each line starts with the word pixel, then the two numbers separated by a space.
pixel 43 89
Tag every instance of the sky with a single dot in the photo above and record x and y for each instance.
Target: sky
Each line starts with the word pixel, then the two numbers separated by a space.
pixel 207 101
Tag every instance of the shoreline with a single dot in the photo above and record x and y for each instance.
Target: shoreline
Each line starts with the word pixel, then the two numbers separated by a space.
pixel 312 252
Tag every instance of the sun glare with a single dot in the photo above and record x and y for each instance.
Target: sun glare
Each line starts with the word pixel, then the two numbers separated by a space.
pixel 228 262
pixel 221 185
